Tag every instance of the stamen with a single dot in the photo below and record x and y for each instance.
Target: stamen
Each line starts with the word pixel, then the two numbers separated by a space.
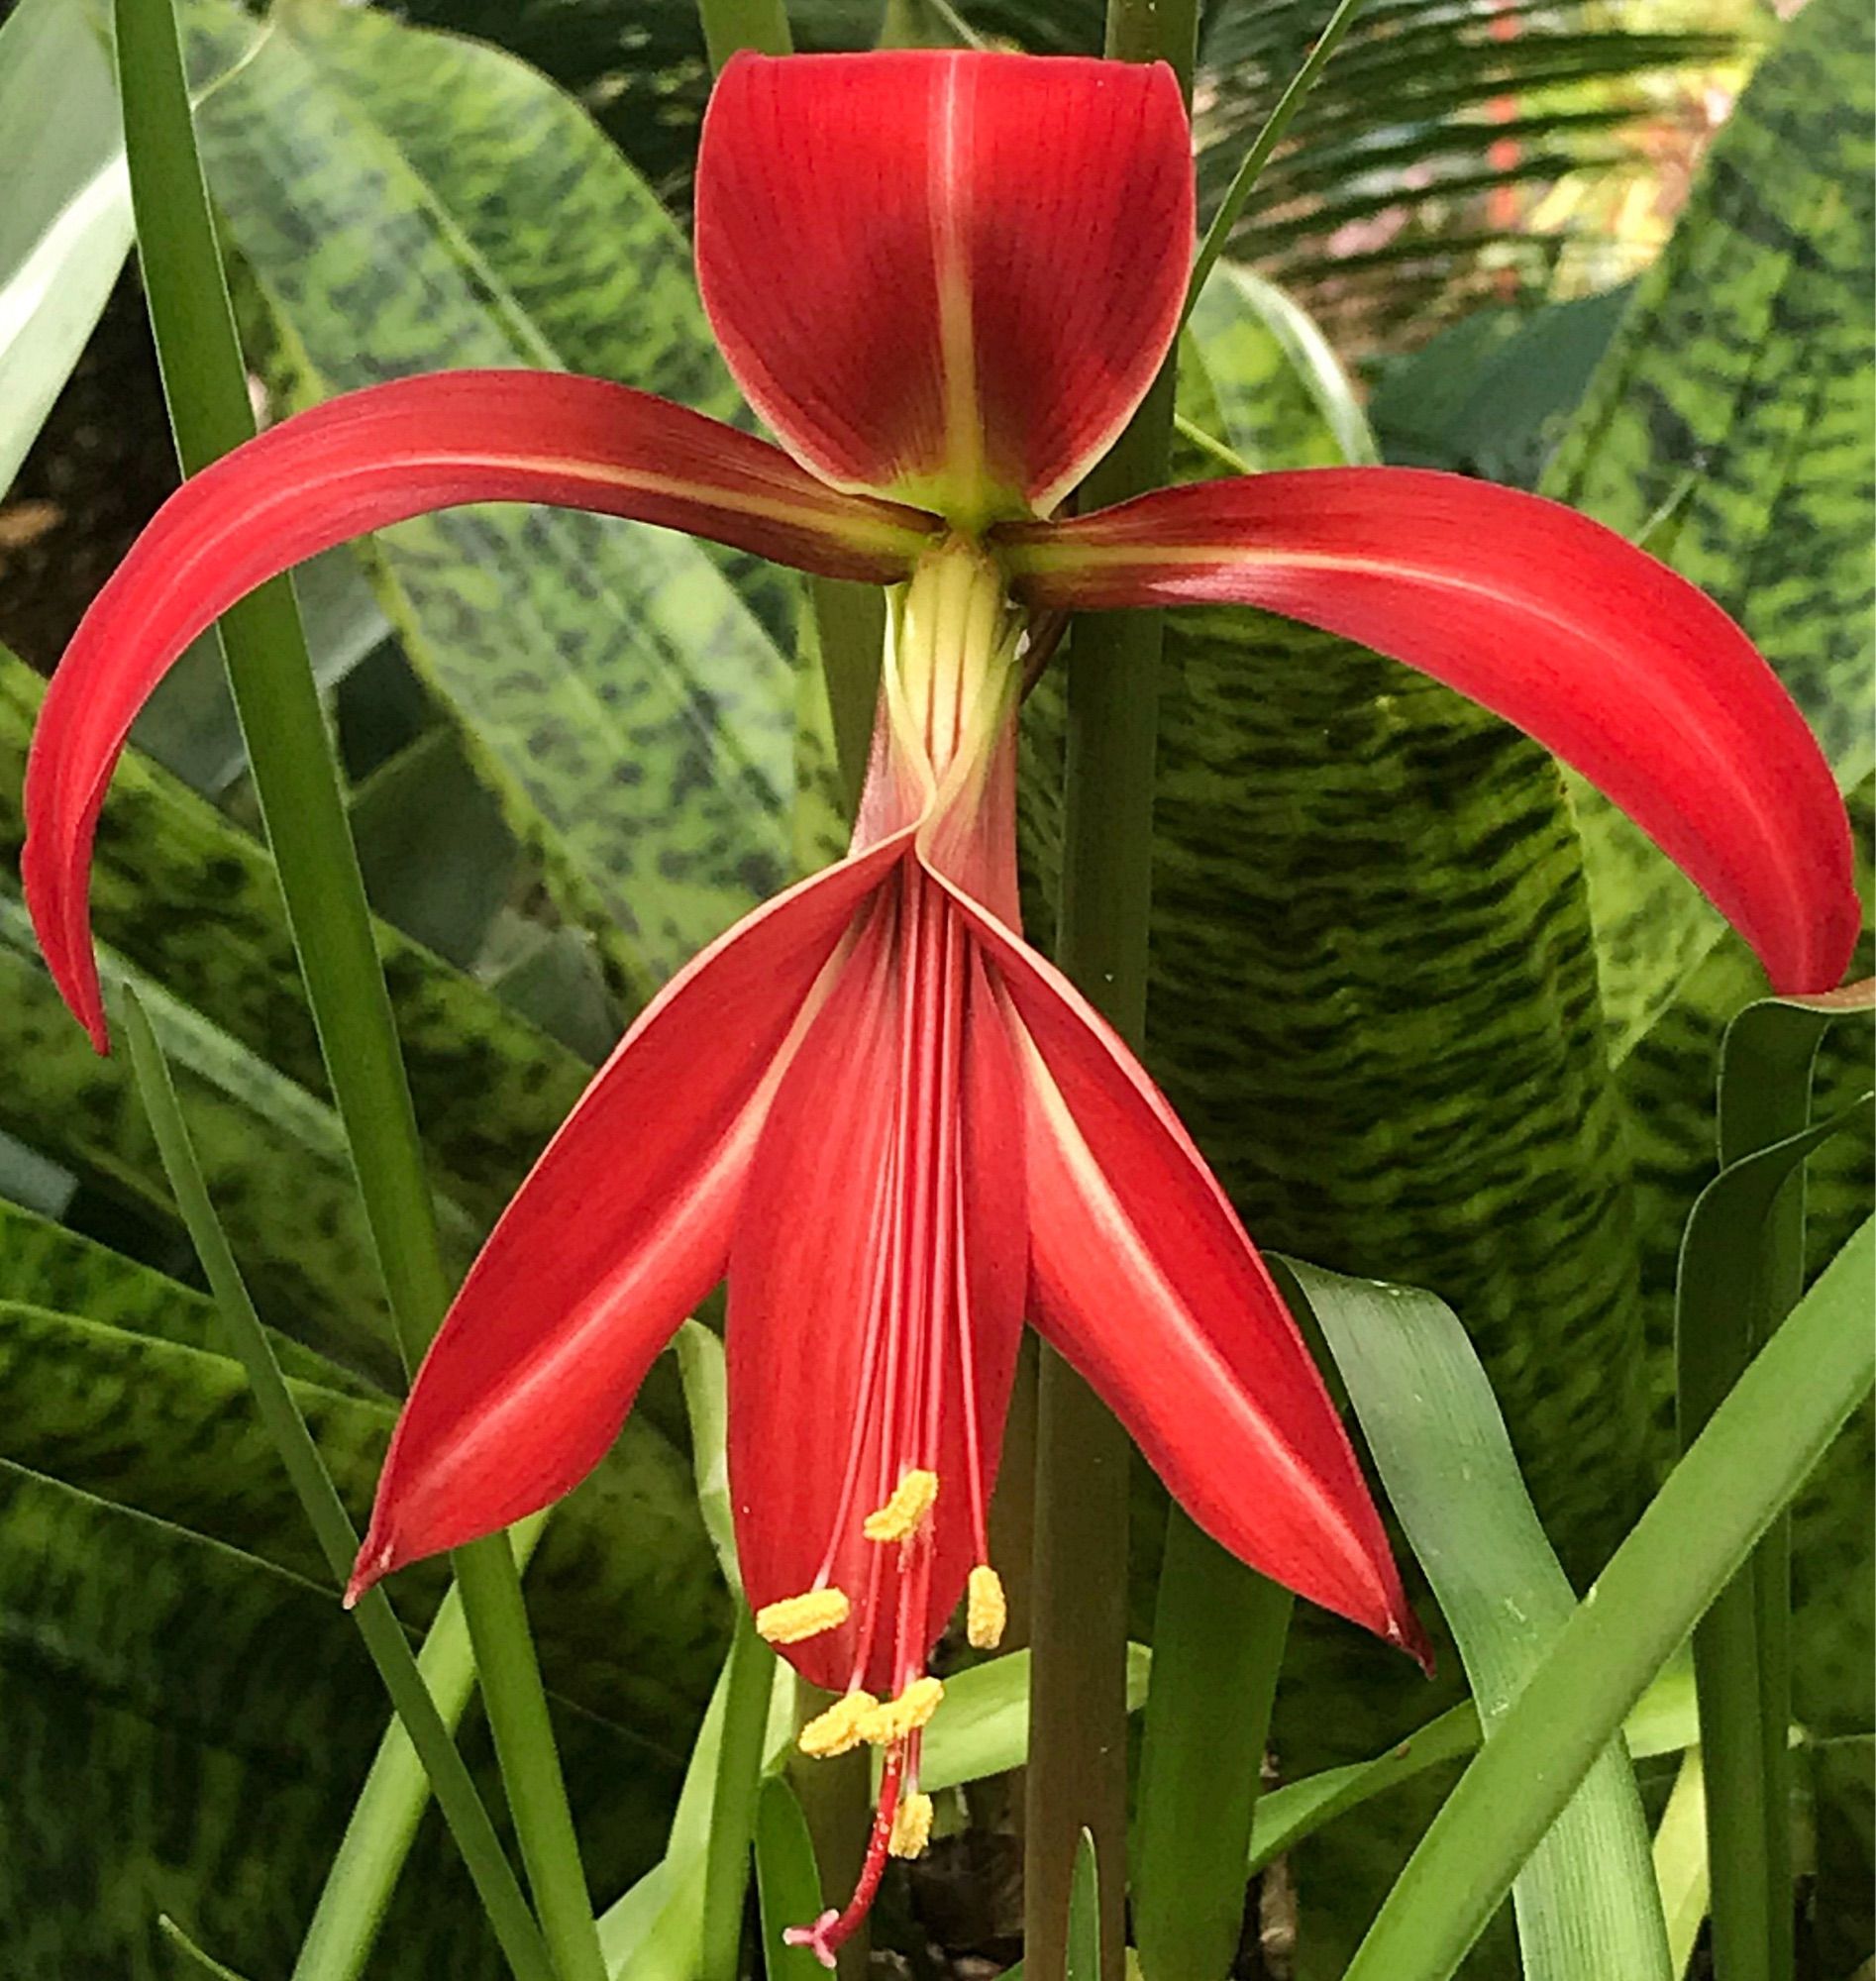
pixel 901 1516
pixel 892 1721
pixel 797 1618
pixel 841 1728
pixel 985 1609
pixel 911 1826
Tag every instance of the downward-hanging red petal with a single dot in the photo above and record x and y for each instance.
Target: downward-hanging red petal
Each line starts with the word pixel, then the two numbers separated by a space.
pixel 356 463
pixel 1143 1278
pixel 1600 652
pixel 876 1281
pixel 949 277
pixel 620 1228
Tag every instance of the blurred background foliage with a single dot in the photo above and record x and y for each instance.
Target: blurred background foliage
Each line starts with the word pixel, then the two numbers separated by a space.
pixel 1429 1013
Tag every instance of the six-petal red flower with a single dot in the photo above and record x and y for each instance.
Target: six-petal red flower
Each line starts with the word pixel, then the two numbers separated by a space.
pixel 945 281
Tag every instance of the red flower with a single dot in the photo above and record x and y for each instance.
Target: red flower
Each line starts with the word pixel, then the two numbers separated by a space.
pixel 945 281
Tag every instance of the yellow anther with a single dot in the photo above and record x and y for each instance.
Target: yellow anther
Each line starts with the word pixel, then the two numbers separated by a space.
pixel 798 1616
pixel 895 1718
pixel 985 1610
pixel 899 1519
pixel 911 1826
pixel 842 1728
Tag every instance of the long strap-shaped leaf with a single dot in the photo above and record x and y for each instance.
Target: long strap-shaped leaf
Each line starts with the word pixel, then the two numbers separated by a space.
pixel 1586 1900
pixel 1753 1455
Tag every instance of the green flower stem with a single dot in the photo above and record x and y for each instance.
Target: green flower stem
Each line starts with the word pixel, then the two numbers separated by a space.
pixel 751 1672
pixel 733 24
pixel 301 802
pixel 404 1679
pixel 1244 179
pixel 1218 1638
pixel 1077 1715
pixel 1734 1479
pixel 383 1821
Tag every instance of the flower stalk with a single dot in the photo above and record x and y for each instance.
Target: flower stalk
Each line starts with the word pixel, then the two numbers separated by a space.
pixel 1078 1699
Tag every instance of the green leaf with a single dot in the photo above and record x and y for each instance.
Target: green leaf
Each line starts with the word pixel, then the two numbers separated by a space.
pixel 1740 383
pixel 378 1830
pixel 1680 1862
pixel 189 724
pixel 275 1154
pixel 1281 395
pixel 1739 1471
pixel 437 860
pixel 65 222
pixel 788 1882
pixel 1492 395
pixel 390 189
pixel 707 1406
pixel 1663 1722
pixel 192 901
pixel 1586 1899
pixel 198 1961
pixel 1084 1941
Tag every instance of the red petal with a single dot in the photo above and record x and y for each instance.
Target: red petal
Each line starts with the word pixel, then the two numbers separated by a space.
pixel 1605 656
pixel 1144 1278
pixel 621 1227
pixel 898 1115
pixel 359 462
pixel 949 277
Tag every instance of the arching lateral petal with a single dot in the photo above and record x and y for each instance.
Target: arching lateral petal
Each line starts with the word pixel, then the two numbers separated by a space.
pixel 620 1228
pixel 1143 1278
pixel 356 463
pixel 1600 652
pixel 946 277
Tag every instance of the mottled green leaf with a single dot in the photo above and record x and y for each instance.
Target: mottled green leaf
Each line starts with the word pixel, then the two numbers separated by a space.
pixel 191 902
pixel 408 200
pixel 275 1154
pixel 1739 396
pixel 170 1636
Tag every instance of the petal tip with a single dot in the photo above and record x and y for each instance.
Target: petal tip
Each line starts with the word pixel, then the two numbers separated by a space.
pixel 376 1560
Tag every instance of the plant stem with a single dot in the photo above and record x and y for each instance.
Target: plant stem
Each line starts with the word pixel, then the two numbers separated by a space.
pixel 302 805
pixel 404 1680
pixel 1218 1638
pixel 733 24
pixel 1078 1713
pixel 1737 1475
pixel 752 1671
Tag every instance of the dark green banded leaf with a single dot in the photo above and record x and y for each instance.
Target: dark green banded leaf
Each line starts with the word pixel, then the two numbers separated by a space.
pixel 1731 423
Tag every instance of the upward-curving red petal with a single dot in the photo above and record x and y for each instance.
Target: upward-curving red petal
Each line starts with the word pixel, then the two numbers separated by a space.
pixel 1143 1278
pixel 356 463
pixel 947 276
pixel 621 1227
pixel 1600 652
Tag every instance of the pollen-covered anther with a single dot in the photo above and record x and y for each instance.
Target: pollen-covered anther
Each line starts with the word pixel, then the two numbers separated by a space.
pixel 911 1826
pixel 842 1728
pixel 985 1609
pixel 893 1718
pixel 797 1618
pixel 902 1516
